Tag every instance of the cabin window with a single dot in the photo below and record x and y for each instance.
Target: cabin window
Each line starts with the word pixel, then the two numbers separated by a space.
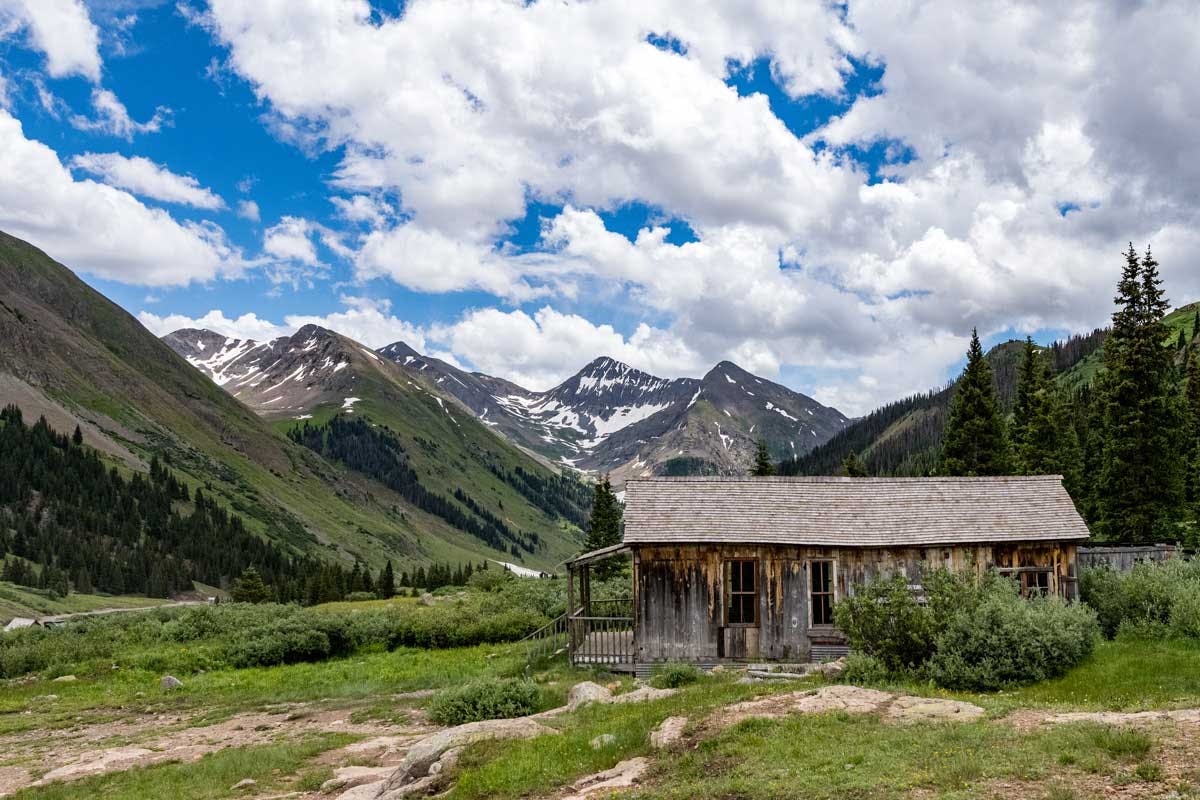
pixel 741 582
pixel 1035 582
pixel 821 581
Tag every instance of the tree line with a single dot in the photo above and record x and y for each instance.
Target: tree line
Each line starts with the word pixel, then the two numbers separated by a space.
pixel 1128 447
pixel 69 523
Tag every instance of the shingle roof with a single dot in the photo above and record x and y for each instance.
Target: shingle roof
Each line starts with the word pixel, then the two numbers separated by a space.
pixel 856 512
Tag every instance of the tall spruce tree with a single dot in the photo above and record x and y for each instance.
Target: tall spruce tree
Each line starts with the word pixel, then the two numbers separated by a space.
pixel 387 582
pixel 1196 325
pixel 975 441
pixel 762 461
pixel 1192 395
pixel 1044 438
pixel 604 527
pixel 1140 489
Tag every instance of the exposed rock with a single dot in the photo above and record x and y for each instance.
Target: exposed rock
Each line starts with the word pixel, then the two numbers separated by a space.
pixel 244 783
pixel 669 731
pixel 850 699
pixel 830 669
pixel 95 763
pixel 426 599
pixel 416 772
pixel 587 692
pixel 776 676
pixel 1186 716
pixel 350 777
pixel 602 741
pixel 622 776
pixel 65 679
pixel 447 762
pixel 931 709
pixel 170 682
pixel 643 695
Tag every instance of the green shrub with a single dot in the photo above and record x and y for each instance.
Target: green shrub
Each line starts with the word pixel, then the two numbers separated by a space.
pixel 1184 621
pixel 1142 603
pixel 883 619
pixel 1101 589
pixel 1008 640
pixel 672 676
pixel 485 699
pixel 864 670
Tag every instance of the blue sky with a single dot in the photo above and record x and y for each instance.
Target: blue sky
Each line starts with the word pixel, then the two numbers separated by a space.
pixel 814 191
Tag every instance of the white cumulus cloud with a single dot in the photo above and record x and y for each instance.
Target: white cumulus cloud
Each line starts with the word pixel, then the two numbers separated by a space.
pixel 98 229
pixel 148 179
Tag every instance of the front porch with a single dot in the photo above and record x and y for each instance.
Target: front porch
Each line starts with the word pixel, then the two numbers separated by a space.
pixel 598 632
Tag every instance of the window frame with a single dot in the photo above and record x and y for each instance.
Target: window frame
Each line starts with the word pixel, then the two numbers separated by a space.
pixel 831 593
pixel 732 594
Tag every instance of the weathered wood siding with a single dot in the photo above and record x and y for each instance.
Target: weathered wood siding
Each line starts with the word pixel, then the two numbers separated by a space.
pixel 679 593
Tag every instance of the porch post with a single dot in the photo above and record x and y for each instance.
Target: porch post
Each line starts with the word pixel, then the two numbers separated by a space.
pixel 571 614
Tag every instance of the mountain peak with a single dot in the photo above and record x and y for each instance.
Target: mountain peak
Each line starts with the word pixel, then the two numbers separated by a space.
pixel 399 352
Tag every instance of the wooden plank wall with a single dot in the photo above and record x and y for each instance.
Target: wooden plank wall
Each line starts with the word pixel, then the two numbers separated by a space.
pixel 679 592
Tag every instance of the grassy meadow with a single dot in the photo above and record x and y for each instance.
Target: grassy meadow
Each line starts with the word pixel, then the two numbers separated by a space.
pixel 350 661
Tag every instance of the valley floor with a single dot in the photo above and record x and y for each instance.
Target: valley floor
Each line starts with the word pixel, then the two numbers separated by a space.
pixel 290 729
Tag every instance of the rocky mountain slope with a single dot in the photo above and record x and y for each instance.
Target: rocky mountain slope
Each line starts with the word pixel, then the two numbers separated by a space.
pixel 610 417
pixel 316 374
pixel 72 355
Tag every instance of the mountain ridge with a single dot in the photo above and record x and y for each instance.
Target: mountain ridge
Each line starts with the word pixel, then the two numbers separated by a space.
pixel 607 417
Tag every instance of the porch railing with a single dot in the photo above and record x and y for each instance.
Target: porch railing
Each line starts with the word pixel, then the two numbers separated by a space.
pixel 547 641
pixel 601 639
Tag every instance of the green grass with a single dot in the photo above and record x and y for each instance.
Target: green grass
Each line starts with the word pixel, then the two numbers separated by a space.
pixel 859 756
pixel 274 766
pixel 223 693
pixel 21 601
pixel 1125 675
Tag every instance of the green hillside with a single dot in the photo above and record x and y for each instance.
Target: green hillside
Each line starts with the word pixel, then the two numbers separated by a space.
pixel 904 437
pixel 77 358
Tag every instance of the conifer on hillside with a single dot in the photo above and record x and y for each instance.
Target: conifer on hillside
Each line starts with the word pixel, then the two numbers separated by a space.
pixel 604 526
pixel 854 467
pixel 386 585
pixel 1140 489
pixel 1192 395
pixel 1044 438
pixel 975 442
pixel 762 461
pixel 249 588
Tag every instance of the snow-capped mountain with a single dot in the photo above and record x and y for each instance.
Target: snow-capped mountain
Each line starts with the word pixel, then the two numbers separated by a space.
pixel 608 417
pixel 283 377
pixel 611 417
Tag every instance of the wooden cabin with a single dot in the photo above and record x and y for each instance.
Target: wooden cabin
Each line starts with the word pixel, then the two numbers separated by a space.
pixel 749 569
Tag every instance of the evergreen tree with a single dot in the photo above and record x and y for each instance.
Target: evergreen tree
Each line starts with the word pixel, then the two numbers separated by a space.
pixel 1140 489
pixel 387 582
pixel 1044 438
pixel 604 527
pixel 854 467
pixel 1031 379
pixel 1182 343
pixel 77 437
pixel 249 588
pixel 1192 484
pixel 1196 325
pixel 762 461
pixel 975 442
